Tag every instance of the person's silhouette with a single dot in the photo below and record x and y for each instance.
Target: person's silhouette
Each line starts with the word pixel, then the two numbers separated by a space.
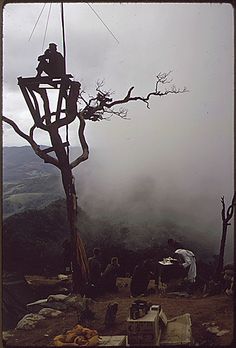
pixel 51 62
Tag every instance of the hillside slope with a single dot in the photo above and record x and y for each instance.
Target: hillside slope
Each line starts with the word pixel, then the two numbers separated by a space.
pixel 32 240
pixel 28 183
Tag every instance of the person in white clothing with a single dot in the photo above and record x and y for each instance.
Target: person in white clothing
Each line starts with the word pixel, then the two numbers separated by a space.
pixel 188 261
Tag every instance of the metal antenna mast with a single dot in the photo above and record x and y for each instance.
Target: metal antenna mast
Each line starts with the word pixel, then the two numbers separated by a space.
pixel 63 34
pixel 64 54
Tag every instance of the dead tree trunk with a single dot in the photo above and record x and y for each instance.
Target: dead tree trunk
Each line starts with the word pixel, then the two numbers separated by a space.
pixel 79 266
pixel 226 217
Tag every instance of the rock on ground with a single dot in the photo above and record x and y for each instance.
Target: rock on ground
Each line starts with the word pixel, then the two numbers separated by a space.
pixel 29 321
pixel 55 298
pixel 49 312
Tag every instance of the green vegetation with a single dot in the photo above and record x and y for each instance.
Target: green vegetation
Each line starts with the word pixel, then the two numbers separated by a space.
pixel 16 203
pixel 28 182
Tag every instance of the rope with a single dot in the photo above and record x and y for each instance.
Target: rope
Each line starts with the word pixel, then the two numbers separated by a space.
pixel 102 22
pixel 37 21
pixel 46 26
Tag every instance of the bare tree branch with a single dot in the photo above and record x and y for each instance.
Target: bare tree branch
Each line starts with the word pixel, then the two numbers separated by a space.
pixel 223 208
pixel 122 113
pixel 97 106
pixel 32 129
pixel 234 199
pixel 99 85
pixel 230 210
pixel 83 143
pixel 227 216
pixel 162 78
pixel 34 145
pixel 146 99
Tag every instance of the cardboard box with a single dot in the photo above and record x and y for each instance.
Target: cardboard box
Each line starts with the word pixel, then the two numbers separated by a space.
pixel 163 318
pixel 145 330
pixel 112 341
pixel 157 344
pixel 178 331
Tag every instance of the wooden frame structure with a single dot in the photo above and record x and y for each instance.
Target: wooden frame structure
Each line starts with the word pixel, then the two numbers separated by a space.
pixel 31 85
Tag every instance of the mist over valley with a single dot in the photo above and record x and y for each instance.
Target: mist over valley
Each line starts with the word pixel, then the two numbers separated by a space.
pixel 147 205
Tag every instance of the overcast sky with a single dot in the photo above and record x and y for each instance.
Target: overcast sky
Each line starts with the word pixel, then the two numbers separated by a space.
pixel 182 147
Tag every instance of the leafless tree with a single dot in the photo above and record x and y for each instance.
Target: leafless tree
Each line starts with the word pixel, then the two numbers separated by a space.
pixel 226 217
pixel 93 108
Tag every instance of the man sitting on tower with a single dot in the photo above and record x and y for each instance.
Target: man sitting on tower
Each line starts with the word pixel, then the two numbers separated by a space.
pixel 51 62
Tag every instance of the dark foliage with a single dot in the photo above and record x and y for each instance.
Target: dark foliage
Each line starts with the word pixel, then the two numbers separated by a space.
pixel 32 242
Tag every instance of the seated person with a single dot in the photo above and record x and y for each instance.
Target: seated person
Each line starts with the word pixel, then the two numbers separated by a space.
pixel 51 62
pixel 140 279
pixel 110 274
pixel 95 270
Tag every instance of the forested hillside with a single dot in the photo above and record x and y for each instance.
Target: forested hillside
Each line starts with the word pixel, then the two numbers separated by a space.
pixel 28 183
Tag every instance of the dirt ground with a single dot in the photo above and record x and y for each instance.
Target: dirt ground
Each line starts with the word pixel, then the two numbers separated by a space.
pixel 217 309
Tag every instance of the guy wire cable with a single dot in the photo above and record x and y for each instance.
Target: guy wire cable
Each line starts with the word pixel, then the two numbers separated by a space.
pixel 37 21
pixel 102 22
pixel 46 25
